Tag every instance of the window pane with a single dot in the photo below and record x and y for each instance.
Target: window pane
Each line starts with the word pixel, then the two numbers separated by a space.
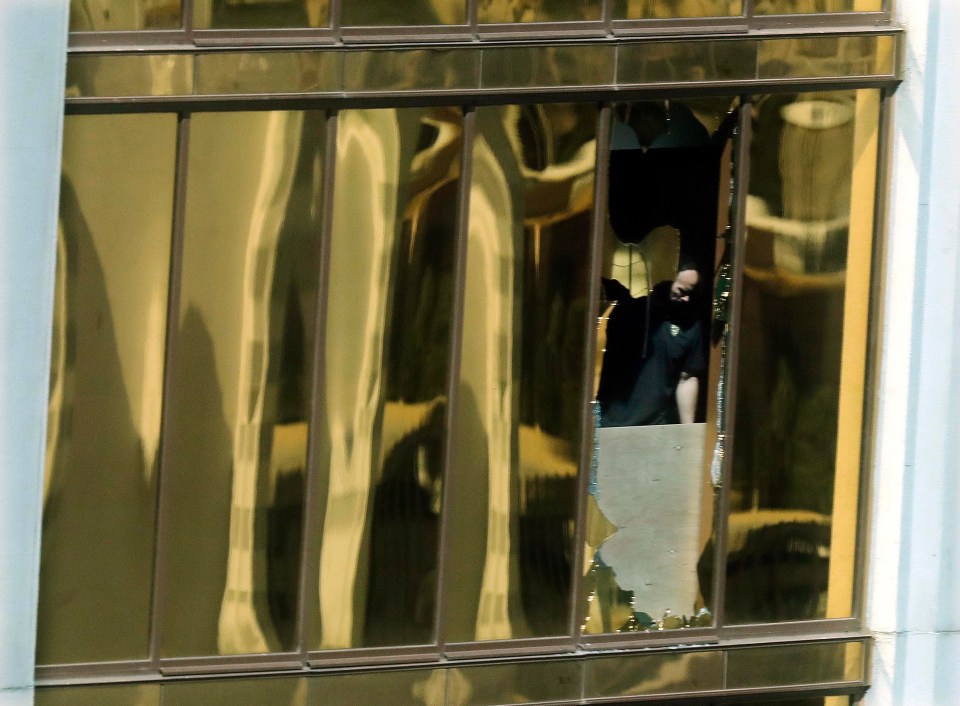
pixel 806 292
pixel 260 14
pixel 665 9
pixel 364 13
pixel 106 15
pixel 501 11
pixel 789 7
pixel 106 382
pixel 803 664
pixel 385 375
pixel 520 403
pixel 241 383
pixel 650 511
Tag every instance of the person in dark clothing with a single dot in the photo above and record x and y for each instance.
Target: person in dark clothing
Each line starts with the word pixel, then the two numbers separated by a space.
pixel 654 354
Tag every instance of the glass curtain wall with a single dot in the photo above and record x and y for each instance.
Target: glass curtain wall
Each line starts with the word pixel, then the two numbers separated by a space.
pixel 326 470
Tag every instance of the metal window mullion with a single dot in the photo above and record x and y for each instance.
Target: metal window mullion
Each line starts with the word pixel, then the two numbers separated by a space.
pixel 453 383
pixel 186 18
pixel 741 183
pixel 587 432
pixel 313 512
pixel 163 500
pixel 334 19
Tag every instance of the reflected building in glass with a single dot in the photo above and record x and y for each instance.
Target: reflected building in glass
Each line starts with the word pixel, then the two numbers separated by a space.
pixel 464 351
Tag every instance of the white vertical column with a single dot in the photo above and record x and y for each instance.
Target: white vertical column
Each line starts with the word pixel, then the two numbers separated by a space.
pixel 913 607
pixel 33 38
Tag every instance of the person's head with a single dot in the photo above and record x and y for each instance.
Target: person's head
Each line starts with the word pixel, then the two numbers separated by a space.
pixel 685 283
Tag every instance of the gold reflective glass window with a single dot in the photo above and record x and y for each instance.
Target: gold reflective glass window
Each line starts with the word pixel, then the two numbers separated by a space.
pixel 794 497
pixel 667 9
pixel 651 491
pixel 260 14
pixel 509 11
pixel 385 376
pixel 112 15
pixel 520 401
pixel 106 385
pixel 791 7
pixel 369 13
pixel 241 382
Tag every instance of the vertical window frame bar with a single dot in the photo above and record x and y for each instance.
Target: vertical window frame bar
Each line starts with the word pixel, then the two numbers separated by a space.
pixel 313 512
pixel 741 185
pixel 178 230
pixel 444 544
pixel 588 435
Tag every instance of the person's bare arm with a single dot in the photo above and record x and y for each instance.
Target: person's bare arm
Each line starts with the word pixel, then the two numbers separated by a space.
pixel 687 390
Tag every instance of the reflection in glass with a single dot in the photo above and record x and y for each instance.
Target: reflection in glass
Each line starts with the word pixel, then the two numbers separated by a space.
pixel 803 332
pixel 520 402
pixel 241 374
pixel 685 61
pixel 508 11
pixel 802 664
pixel 122 695
pixel 650 505
pixel 513 67
pixel 259 14
pixel 385 375
pixel 268 72
pixel 644 675
pixel 366 13
pixel 275 691
pixel 111 15
pixel 106 382
pixel 116 76
pixel 558 681
pixel 397 687
pixel 666 9
pixel 790 7
pixel 800 57
pixel 411 69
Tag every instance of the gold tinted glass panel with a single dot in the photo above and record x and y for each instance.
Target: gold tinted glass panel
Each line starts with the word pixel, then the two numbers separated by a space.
pixel 509 11
pixel 106 383
pixel 397 687
pixel 124 695
pixel 804 57
pixel 523 683
pixel 795 665
pixel 276 691
pixel 368 13
pixel 238 419
pixel 651 494
pixel 679 62
pixel 115 76
pixel 803 337
pixel 268 72
pixel 520 398
pixel 513 67
pixel 790 7
pixel 411 70
pixel 385 376
pixel 653 674
pixel 667 9
pixel 260 14
pixel 112 15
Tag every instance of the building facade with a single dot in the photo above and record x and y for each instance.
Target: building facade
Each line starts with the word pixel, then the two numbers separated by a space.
pixel 315 326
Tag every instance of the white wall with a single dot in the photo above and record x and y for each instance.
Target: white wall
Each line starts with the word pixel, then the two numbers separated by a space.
pixel 33 35
pixel 913 601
